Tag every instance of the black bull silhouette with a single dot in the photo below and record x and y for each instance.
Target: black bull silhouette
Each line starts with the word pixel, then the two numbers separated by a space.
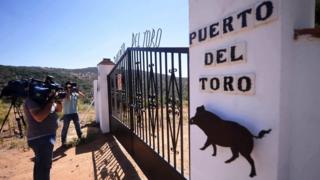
pixel 227 134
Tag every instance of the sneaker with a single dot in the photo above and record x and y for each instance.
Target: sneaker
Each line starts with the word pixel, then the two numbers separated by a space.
pixel 82 139
pixel 64 145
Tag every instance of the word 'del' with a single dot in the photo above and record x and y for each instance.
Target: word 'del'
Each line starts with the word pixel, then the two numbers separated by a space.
pixel 232 54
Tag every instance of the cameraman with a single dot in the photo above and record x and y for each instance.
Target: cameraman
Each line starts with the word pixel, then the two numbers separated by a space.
pixel 42 126
pixel 70 111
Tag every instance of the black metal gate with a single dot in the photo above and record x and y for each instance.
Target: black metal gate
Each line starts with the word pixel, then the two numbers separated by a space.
pixel 148 90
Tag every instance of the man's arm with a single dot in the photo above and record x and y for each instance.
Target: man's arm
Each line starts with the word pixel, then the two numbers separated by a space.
pixel 59 106
pixel 81 93
pixel 40 114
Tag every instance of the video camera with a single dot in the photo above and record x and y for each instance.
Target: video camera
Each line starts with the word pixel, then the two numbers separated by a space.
pixel 37 90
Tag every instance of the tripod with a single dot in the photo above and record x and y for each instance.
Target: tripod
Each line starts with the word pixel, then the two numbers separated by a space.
pixel 17 114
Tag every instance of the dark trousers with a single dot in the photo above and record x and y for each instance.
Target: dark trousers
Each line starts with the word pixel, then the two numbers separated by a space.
pixel 43 149
pixel 66 122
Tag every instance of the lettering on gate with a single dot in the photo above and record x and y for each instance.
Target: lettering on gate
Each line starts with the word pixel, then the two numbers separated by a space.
pixel 151 38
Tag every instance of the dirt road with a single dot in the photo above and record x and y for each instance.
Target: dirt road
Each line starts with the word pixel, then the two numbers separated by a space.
pixel 98 157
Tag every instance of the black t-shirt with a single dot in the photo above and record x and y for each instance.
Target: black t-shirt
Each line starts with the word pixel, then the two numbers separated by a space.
pixel 40 129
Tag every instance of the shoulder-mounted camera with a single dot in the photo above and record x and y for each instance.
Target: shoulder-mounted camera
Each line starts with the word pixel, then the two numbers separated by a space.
pixel 37 90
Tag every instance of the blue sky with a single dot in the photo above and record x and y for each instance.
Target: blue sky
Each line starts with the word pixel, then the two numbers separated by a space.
pixel 79 33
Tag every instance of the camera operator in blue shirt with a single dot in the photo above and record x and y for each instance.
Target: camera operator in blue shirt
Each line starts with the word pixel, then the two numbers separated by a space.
pixel 70 111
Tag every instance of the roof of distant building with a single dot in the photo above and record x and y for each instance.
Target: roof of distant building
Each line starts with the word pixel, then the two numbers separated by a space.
pixel 106 61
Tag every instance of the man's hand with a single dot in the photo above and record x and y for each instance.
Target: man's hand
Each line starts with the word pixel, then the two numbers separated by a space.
pixel 59 106
pixel 81 93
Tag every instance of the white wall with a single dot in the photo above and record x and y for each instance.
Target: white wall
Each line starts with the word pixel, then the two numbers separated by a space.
pixel 299 98
pixel 257 112
pixel 303 108
pixel 103 71
pixel 285 98
pixel 96 99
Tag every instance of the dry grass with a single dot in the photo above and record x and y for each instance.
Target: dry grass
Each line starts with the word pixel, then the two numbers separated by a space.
pixel 4 107
pixel 9 137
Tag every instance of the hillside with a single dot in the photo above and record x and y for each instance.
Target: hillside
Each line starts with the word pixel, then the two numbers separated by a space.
pixel 83 77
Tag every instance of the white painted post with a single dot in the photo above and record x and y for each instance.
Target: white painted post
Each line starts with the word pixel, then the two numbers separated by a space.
pixel 104 68
pixel 274 80
pixel 96 99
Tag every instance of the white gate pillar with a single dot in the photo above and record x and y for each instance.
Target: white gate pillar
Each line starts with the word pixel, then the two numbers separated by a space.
pixel 104 68
pixel 247 67
pixel 96 99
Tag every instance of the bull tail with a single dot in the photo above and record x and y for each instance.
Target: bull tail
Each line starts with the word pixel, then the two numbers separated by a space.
pixel 262 133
